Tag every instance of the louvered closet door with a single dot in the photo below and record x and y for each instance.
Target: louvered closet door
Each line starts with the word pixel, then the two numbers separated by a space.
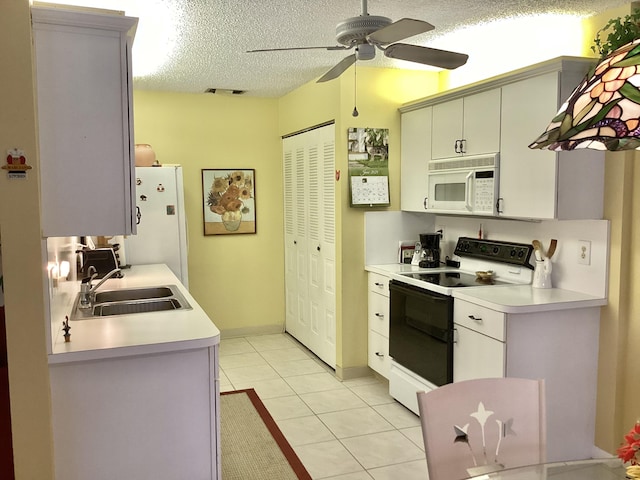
pixel 309 165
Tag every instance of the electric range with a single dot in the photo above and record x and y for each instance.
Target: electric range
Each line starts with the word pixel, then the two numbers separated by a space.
pixel 509 262
pixel 421 329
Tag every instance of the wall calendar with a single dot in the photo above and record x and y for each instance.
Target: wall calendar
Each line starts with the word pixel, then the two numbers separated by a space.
pixel 368 155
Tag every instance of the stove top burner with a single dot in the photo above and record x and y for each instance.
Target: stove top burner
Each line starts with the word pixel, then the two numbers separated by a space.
pixel 452 279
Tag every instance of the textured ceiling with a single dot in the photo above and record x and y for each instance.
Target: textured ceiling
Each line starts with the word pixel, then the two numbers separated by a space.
pixel 200 44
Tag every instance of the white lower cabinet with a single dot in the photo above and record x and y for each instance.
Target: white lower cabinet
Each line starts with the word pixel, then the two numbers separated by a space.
pixel 378 314
pixel 559 346
pixel 476 356
pixel 137 417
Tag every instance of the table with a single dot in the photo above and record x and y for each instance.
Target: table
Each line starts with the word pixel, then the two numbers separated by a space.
pixel 595 469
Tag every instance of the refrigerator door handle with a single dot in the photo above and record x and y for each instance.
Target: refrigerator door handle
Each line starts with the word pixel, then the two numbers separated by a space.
pixel 138 215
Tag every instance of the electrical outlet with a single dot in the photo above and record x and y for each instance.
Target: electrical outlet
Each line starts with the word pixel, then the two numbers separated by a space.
pixel 584 252
pixel 440 230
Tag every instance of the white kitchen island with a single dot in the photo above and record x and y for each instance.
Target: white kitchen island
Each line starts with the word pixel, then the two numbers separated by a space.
pixel 136 396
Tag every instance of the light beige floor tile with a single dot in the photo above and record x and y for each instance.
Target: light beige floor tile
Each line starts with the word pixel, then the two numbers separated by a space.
pixel 227 387
pixel 383 449
pixel 358 421
pixel 416 470
pixel 285 355
pixel 352 476
pixel 284 408
pixel 315 382
pixel 398 415
pixel 415 435
pixel 305 430
pixel 332 400
pixel 355 382
pixel 238 360
pixel 232 346
pixel 327 459
pixel 272 388
pixel 270 342
pixel 223 377
pixel 297 367
pixel 373 394
pixel 250 374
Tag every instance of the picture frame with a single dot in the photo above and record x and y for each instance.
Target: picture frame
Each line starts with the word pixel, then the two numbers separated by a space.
pixel 229 201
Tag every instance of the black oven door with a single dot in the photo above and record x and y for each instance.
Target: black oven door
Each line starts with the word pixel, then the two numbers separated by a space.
pixel 421 332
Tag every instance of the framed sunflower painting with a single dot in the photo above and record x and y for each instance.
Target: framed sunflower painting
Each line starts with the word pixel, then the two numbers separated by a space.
pixel 229 201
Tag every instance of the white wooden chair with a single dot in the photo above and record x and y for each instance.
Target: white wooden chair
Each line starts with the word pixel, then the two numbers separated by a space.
pixel 478 426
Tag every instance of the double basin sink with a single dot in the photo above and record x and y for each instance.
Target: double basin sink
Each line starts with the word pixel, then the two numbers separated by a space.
pixel 130 301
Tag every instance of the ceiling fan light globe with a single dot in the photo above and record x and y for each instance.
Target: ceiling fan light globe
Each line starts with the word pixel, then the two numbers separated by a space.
pixel 365 52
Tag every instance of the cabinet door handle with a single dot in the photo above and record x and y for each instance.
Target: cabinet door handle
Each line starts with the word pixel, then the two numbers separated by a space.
pixel 378 354
pixel 318 248
pixel 477 319
pixel 295 242
pixel 456 146
pixel 499 205
pixel 138 215
pixel 463 146
pixel 379 315
pixel 455 335
pixel 425 203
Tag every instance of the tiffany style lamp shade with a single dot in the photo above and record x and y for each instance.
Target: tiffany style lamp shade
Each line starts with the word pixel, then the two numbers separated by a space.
pixel 603 112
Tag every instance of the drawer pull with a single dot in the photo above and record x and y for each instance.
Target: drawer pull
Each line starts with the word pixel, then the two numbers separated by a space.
pixel 378 284
pixel 378 354
pixel 477 319
pixel 379 315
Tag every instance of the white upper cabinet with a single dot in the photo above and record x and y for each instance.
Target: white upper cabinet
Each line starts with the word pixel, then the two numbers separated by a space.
pixel 415 147
pixel 85 121
pixel 505 115
pixel 543 184
pixel 466 126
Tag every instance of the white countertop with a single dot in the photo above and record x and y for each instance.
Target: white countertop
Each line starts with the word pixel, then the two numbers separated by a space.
pixel 515 298
pixel 140 333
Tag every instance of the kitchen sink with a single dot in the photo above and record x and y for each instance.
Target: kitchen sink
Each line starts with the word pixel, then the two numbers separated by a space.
pixel 133 294
pixel 131 301
pixel 144 306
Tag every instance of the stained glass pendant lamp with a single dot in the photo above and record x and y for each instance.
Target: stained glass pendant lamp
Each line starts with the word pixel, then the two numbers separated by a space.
pixel 603 112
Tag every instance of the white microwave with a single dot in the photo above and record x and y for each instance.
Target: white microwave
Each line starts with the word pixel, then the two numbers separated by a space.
pixel 463 185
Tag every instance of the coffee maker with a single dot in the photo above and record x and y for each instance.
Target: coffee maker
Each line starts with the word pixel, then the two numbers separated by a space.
pixel 429 250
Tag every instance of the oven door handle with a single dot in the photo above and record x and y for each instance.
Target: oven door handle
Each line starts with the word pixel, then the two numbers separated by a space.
pixel 412 290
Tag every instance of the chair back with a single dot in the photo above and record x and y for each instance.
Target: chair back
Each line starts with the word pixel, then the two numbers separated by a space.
pixel 478 426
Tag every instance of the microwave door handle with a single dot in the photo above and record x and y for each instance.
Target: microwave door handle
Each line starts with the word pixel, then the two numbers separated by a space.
pixel 467 191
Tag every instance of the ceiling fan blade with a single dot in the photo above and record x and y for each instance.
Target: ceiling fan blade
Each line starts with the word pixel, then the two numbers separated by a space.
pixel 399 30
pixel 336 71
pixel 426 55
pixel 332 47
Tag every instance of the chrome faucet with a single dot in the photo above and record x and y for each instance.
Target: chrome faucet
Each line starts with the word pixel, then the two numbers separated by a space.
pixel 87 291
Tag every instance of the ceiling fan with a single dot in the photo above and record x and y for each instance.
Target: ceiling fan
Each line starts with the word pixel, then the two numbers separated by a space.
pixel 367 32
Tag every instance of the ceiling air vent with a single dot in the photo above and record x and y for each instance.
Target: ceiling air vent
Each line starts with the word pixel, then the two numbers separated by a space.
pixel 225 91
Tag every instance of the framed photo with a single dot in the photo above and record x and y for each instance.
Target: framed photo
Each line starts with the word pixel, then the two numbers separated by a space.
pixel 229 201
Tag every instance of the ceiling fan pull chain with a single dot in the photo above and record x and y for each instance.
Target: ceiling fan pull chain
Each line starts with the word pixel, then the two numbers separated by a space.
pixel 355 87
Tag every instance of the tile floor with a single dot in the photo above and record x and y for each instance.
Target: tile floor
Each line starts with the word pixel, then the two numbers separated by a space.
pixel 351 430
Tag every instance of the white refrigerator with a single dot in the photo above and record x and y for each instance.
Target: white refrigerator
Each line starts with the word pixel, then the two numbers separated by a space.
pixel 161 224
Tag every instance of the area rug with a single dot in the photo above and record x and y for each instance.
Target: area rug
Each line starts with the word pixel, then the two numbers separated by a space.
pixel 253 447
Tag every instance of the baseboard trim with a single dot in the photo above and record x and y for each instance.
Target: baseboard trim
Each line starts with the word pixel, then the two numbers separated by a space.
pixel 248 331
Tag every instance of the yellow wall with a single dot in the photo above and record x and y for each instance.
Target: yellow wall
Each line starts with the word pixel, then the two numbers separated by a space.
pixel 21 254
pixel 379 94
pixel 237 279
pixel 208 132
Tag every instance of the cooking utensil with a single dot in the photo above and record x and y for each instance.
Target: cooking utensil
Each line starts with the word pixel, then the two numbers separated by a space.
pixel 537 249
pixel 552 248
